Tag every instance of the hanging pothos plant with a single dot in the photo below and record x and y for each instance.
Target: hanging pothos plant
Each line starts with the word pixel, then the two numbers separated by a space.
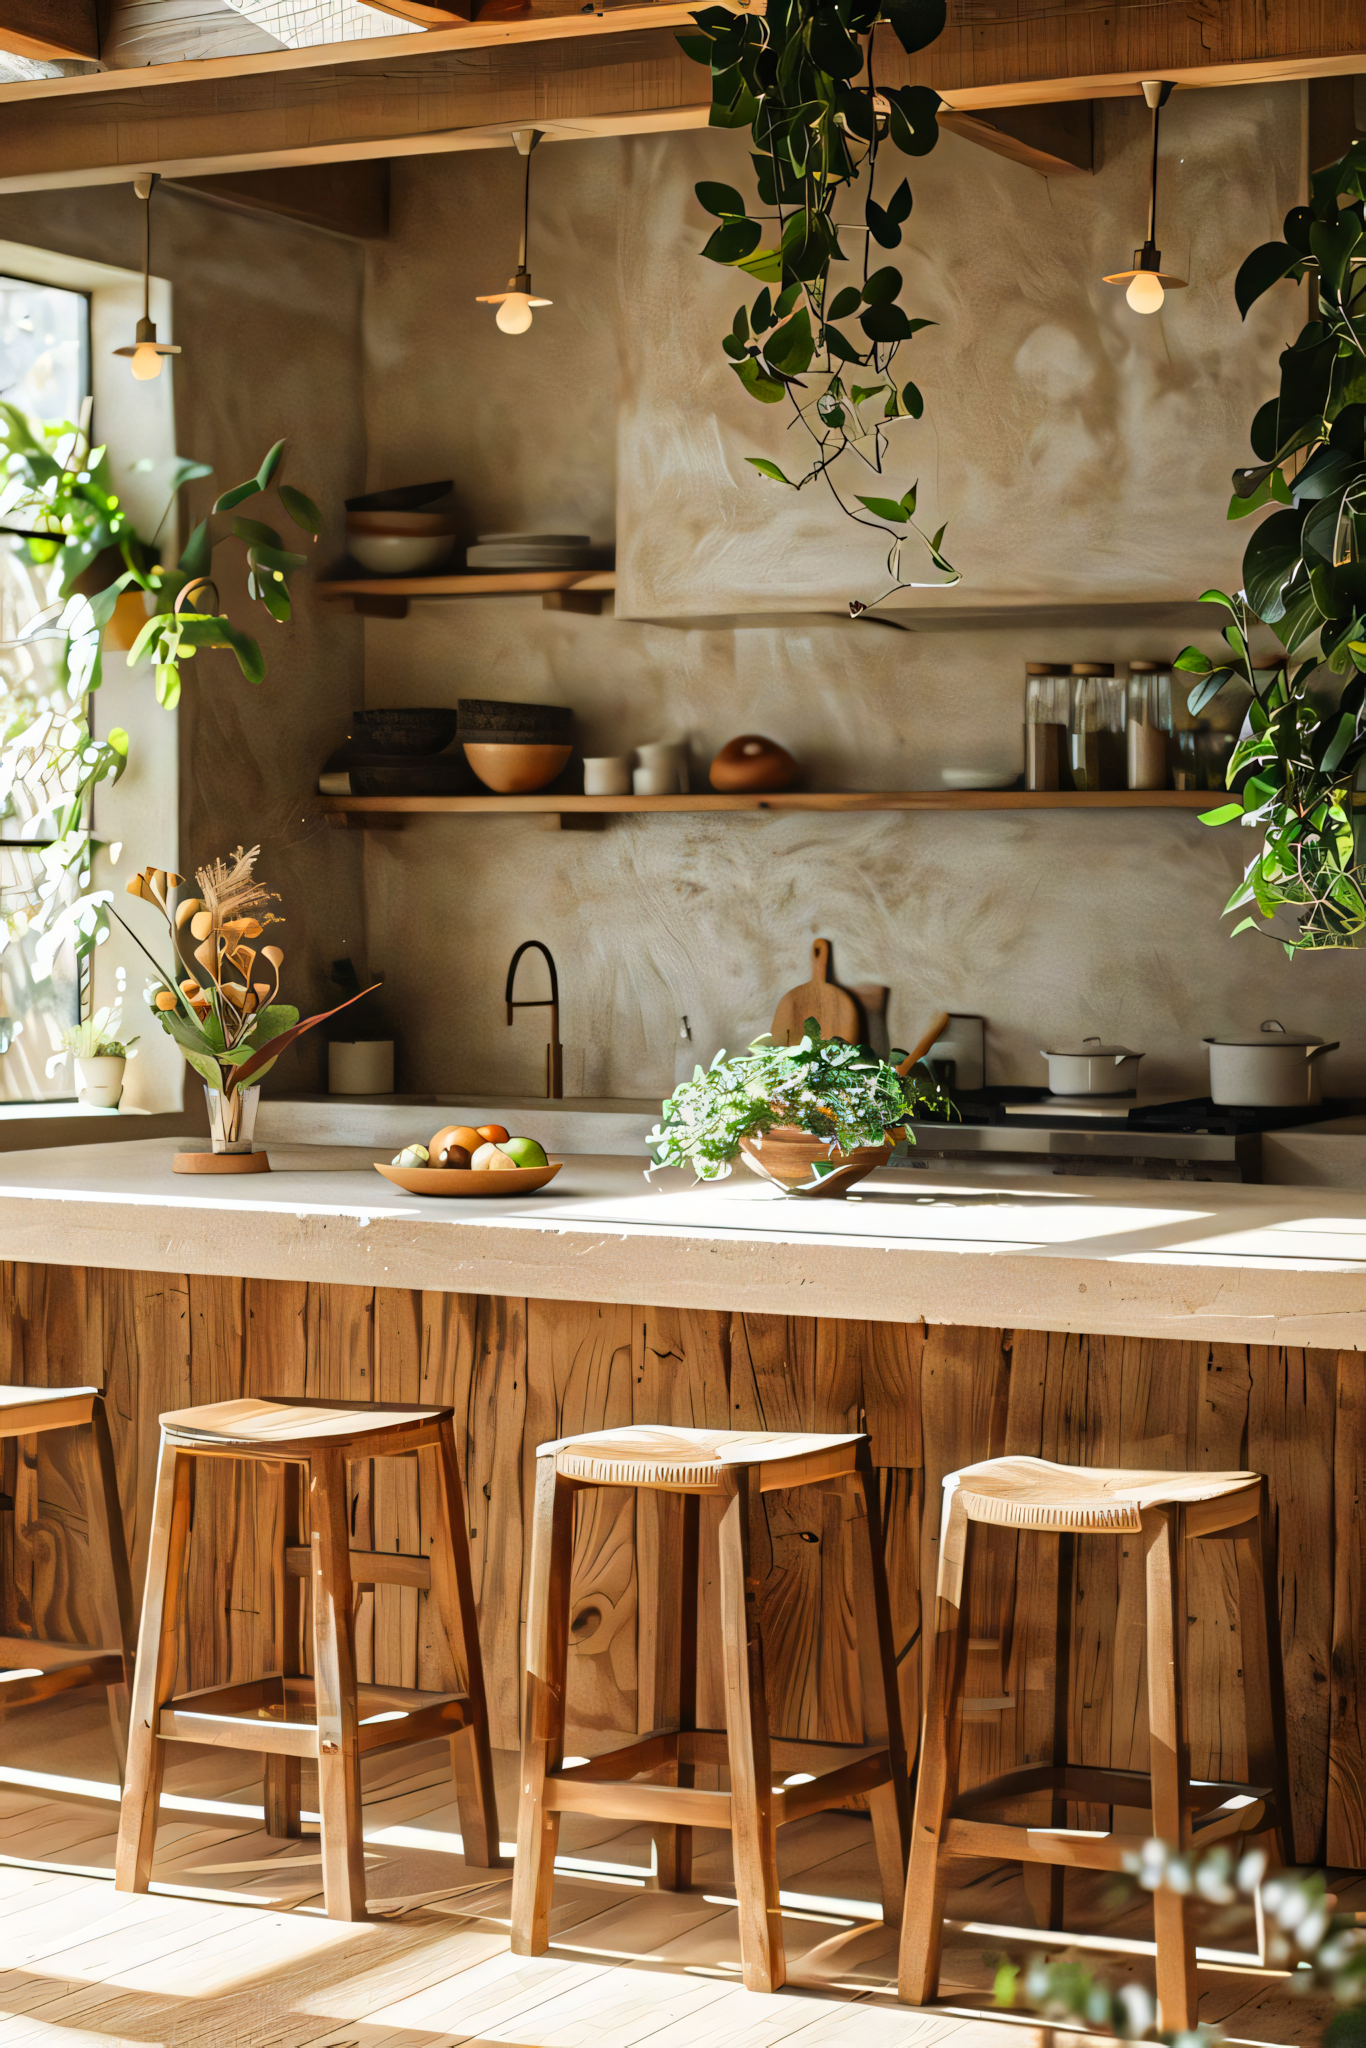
pixel 800 78
pixel 1304 576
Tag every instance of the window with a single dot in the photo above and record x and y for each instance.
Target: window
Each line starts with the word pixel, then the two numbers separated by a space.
pixel 44 373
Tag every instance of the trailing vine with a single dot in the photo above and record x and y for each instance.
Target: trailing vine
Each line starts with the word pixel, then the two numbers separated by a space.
pixel 800 78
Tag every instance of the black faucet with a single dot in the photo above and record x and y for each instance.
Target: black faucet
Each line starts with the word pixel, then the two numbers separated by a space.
pixel 554 1052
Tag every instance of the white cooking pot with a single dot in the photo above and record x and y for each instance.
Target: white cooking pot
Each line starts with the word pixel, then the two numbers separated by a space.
pixel 1092 1069
pixel 1278 1069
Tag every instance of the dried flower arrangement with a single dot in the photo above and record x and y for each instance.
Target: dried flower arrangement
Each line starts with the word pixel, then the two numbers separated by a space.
pixel 229 1027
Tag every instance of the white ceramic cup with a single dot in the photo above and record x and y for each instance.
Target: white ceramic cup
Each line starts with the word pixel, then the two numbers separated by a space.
pixel 606 775
pixel 670 754
pixel 360 1066
pixel 660 781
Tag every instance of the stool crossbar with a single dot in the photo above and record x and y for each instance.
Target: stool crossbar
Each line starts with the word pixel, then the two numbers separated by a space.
pixel 736 1468
pixel 31 1669
pixel 1166 1511
pixel 286 1714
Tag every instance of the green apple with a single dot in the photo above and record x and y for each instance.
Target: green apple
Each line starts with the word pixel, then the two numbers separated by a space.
pixel 525 1152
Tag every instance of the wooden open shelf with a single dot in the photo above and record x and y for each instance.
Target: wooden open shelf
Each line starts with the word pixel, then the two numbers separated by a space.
pixel 388 597
pixel 362 811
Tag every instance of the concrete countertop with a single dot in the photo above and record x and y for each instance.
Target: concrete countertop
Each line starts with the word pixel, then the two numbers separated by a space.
pixel 1165 1259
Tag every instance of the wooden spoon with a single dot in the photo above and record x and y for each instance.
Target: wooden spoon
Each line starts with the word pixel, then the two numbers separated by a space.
pixel 935 1029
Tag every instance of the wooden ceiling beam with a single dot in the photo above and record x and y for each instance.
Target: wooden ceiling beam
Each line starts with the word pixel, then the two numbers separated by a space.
pixel 50 28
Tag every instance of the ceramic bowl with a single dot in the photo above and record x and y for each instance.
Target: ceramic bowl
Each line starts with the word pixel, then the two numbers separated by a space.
pixel 410 523
pixel 454 1180
pixel 400 554
pixel 789 1157
pixel 515 770
pixel 419 729
pixel 405 498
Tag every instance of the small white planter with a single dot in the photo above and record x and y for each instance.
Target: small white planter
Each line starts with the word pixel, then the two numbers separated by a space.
pixel 99 1083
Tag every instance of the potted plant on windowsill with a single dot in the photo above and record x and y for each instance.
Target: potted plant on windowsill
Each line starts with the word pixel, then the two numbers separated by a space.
pixel 229 1026
pixel 100 1056
pixel 814 1118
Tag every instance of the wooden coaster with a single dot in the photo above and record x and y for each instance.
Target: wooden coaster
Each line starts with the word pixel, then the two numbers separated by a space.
pixel 220 1162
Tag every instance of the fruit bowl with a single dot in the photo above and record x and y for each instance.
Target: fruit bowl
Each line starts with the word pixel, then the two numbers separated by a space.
pixel 789 1158
pixel 454 1180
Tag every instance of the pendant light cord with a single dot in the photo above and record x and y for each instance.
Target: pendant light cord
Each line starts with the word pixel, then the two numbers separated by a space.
pixel 147 257
pixel 526 210
pixel 1152 188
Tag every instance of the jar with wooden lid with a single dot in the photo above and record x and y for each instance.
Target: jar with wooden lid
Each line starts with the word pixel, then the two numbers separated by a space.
pixel 1148 724
pixel 1096 727
pixel 1048 686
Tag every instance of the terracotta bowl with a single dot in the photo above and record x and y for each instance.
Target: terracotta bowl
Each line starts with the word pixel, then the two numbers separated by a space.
pixel 458 1181
pixel 515 770
pixel 789 1157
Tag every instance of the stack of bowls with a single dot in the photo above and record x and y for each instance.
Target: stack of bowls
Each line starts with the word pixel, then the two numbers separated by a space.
pixel 514 748
pixel 398 753
pixel 397 533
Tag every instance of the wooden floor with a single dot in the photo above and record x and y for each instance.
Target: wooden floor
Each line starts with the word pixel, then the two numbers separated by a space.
pixel 232 1950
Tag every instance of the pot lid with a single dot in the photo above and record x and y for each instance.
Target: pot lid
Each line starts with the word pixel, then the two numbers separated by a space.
pixel 1091 1049
pixel 1271 1033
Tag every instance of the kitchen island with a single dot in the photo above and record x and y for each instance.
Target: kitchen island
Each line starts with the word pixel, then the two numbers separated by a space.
pixel 1133 1323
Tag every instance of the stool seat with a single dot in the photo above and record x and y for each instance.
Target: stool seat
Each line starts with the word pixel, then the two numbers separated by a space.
pixel 276 1429
pixel 24 1411
pixel 1031 1493
pixel 700 1460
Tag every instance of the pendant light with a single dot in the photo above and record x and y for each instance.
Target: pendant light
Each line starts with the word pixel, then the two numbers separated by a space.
pixel 147 351
pixel 515 304
pixel 1148 283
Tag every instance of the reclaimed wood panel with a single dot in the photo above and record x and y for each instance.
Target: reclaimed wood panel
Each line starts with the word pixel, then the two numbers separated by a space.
pixel 519 1373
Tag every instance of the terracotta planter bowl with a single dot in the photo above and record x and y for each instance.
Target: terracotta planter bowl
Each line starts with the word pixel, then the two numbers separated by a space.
pixel 789 1157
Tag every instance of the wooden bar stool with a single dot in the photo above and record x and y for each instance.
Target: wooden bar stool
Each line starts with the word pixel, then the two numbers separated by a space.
pixel 1166 1510
pixel 328 1716
pixel 737 1468
pixel 33 1670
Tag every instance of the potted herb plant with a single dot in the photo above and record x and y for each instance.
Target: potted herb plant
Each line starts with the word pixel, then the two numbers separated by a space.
pixel 229 1025
pixel 1304 577
pixel 100 1057
pixel 813 1117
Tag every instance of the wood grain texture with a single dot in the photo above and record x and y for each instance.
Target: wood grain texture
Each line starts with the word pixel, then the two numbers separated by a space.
pixel 1346 1843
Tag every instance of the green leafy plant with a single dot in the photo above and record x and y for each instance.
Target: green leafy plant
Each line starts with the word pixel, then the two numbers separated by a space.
pixel 800 78
pixel 1325 1950
pixel 58 492
pixel 230 1028
pixel 1304 576
pixel 842 1093
pixel 94 1040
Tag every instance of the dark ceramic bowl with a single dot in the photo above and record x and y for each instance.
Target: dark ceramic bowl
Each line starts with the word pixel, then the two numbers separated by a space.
pixel 406 498
pixel 404 732
pixel 490 723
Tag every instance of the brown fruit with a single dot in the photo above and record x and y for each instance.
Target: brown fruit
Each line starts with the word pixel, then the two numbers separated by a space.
pixel 752 763
pixel 455 1134
pixel 492 1134
pixel 452 1155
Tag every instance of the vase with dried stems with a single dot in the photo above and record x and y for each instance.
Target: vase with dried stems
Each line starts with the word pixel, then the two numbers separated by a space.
pixel 229 1025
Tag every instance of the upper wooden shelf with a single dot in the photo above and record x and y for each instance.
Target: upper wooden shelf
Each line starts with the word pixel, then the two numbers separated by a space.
pixel 388 597
pixel 390 810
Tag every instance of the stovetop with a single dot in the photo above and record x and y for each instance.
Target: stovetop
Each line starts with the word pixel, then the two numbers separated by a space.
pixel 1028 1106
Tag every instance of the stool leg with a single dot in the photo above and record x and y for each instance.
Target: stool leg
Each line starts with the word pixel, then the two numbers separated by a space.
pixel 889 1805
pixel 471 1756
pixel 109 1559
pixel 922 1927
pixel 1268 1762
pixel 763 1964
pixel 547 1657
pixel 678 1568
pixel 1164 1540
pixel 1043 1882
pixel 334 1669
pixel 283 1774
pixel 155 1670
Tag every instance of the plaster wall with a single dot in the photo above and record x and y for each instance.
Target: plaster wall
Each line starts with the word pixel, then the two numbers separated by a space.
pixel 1081 455
pixel 268 317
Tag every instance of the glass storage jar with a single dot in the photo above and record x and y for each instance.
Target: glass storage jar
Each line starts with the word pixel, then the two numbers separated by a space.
pixel 1048 686
pixel 1096 727
pixel 1148 724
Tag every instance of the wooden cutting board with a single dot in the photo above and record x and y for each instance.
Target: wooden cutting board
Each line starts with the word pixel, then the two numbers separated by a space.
pixel 833 1009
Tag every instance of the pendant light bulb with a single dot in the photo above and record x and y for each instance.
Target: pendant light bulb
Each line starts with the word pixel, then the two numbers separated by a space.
pixel 1145 293
pixel 514 313
pixel 146 362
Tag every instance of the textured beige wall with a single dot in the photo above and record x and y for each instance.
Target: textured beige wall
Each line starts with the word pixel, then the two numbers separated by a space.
pixel 268 316
pixel 1082 453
